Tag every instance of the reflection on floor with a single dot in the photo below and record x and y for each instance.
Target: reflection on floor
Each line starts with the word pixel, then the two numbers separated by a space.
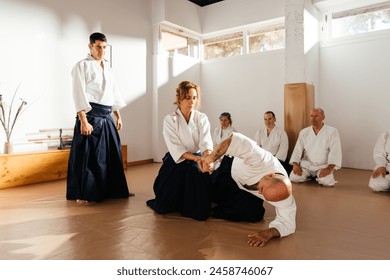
pixel 348 221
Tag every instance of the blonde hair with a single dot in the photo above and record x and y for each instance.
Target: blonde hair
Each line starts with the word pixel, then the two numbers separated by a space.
pixel 182 91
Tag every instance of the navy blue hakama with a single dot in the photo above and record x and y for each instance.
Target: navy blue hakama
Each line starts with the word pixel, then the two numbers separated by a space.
pixel 233 203
pixel 183 188
pixel 95 167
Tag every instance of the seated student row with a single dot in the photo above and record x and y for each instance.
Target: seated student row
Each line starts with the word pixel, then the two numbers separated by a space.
pixel 321 149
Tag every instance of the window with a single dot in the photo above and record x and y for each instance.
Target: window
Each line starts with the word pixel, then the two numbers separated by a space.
pixel 259 37
pixel 223 46
pixel 175 43
pixel 266 39
pixel 362 20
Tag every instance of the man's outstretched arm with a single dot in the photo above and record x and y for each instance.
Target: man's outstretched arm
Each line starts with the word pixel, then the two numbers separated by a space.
pixel 219 151
pixel 262 237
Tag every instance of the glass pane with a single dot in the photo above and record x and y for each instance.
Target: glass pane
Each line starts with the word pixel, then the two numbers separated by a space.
pixel 361 23
pixel 225 46
pixel 178 44
pixel 267 41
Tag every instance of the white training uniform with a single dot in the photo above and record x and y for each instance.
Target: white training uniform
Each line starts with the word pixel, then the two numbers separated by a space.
pixel 92 83
pixel 181 137
pixel 276 142
pixel 221 134
pixel 315 152
pixel 382 159
pixel 250 164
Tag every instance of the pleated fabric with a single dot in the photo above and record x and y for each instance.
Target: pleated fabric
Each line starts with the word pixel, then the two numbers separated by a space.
pixel 233 203
pixel 183 188
pixel 95 167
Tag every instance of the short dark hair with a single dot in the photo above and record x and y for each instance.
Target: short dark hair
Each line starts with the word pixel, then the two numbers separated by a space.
pixel 97 37
pixel 270 112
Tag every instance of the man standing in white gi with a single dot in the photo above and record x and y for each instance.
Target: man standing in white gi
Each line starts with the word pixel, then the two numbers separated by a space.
pixel 273 139
pixel 243 182
pixel 317 152
pixel 380 179
pixel 95 166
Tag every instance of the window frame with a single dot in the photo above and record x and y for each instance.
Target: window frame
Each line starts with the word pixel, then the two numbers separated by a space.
pixel 180 32
pixel 245 30
pixel 326 21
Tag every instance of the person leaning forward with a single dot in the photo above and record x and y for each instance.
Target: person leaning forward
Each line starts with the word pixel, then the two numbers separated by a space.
pixel 243 182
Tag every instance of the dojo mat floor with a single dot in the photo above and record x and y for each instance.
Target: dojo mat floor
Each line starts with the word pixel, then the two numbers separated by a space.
pixel 345 222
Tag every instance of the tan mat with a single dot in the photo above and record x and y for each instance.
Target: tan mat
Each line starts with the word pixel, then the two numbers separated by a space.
pixel 348 221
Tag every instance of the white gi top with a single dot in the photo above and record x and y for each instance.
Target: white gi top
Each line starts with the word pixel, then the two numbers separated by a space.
pixel 318 150
pixel 276 142
pixel 93 84
pixel 250 164
pixel 181 137
pixel 221 134
pixel 382 151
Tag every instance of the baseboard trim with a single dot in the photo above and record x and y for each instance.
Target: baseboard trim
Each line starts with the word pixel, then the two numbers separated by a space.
pixel 139 162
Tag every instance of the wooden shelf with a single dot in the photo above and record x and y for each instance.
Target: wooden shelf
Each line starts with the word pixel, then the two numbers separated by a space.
pixel 36 167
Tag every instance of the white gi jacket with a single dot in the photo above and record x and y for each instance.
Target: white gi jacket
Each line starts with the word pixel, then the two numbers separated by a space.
pixel 93 84
pixel 221 134
pixel 276 142
pixel 250 164
pixel 181 137
pixel 382 151
pixel 315 152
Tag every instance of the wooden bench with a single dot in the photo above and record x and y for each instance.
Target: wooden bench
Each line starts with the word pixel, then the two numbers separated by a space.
pixel 37 167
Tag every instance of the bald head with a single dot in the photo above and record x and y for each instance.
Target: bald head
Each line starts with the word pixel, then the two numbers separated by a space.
pixel 275 187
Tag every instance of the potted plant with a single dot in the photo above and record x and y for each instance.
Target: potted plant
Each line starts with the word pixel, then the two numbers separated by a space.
pixel 8 119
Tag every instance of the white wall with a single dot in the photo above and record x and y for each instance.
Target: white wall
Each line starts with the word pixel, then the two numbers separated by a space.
pixel 246 87
pixel 43 39
pixel 355 95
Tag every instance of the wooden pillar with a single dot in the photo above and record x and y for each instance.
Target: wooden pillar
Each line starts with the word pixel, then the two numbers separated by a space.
pixel 298 102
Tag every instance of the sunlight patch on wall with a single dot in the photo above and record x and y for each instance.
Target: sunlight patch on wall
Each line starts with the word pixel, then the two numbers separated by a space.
pixel 310 31
pixel 181 63
pixel 126 54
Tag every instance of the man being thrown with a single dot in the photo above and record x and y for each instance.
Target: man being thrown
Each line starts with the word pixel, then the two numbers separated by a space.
pixel 243 182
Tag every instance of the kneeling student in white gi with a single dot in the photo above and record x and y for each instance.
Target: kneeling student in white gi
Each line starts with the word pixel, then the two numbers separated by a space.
pixel 380 179
pixel 317 152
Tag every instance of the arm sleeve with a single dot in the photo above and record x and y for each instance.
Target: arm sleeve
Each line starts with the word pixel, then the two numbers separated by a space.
pixel 379 153
pixel 205 141
pixel 283 148
pixel 335 155
pixel 246 149
pixel 172 139
pixel 79 85
pixel 297 153
pixel 285 216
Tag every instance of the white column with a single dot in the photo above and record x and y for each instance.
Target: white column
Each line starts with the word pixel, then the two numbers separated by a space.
pixel 294 51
